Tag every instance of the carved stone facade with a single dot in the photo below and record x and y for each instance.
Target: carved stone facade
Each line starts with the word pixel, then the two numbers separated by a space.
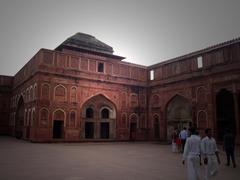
pixel 75 93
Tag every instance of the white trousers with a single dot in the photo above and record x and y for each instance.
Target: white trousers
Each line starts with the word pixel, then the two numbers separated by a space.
pixel 211 168
pixel 174 147
pixel 193 167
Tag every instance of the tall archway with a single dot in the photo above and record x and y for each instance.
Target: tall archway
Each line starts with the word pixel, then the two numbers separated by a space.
pixel 99 118
pixel 19 118
pixel 179 114
pixel 225 112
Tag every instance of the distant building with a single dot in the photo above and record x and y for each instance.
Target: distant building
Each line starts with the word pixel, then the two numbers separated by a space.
pixel 81 91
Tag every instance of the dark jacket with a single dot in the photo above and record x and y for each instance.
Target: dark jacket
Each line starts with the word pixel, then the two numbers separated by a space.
pixel 229 141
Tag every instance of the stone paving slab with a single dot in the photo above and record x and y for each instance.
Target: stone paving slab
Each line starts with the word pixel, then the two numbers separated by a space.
pixel 95 161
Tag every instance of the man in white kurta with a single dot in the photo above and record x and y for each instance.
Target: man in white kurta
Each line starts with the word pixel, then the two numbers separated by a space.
pixel 209 153
pixel 191 154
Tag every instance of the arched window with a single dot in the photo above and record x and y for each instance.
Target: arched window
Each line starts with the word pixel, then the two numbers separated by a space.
pixel 89 113
pixel 44 117
pixel 133 119
pixel 59 115
pixel 105 113
pixel 60 93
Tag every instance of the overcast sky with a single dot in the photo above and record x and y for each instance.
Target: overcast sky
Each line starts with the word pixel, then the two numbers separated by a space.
pixel 144 31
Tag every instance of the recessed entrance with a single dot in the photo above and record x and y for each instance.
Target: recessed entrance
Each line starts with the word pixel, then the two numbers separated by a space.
pixel 225 113
pixel 89 130
pixel 179 114
pixel 99 118
pixel 105 130
pixel 58 129
pixel 133 131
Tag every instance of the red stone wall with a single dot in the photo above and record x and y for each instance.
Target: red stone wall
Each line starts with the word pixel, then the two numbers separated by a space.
pixel 58 84
pixel 5 94
pixel 199 86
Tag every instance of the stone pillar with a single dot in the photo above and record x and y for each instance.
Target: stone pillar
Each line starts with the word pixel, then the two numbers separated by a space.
pixel 236 105
pixel 96 129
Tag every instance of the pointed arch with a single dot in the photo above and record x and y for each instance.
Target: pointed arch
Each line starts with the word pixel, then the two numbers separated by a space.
pixel 59 114
pixel 89 112
pixel 72 119
pixel 60 93
pixel 44 117
pixel 90 101
pixel 179 114
pixel 58 123
pixel 99 118
pixel 133 118
pixel 133 126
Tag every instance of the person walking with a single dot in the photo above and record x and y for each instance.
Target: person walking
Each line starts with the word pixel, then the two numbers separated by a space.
pixel 229 145
pixel 210 154
pixel 191 155
pixel 183 136
pixel 174 140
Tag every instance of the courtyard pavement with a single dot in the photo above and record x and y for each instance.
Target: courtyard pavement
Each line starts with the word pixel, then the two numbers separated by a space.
pixel 20 160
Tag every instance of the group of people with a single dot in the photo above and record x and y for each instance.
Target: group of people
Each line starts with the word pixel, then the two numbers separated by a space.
pixel 179 140
pixel 195 149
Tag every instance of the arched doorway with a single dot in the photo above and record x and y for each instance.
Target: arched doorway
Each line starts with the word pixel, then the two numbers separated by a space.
pixel 19 118
pixel 104 123
pixel 179 114
pixel 225 113
pixel 133 125
pixel 99 118
pixel 58 124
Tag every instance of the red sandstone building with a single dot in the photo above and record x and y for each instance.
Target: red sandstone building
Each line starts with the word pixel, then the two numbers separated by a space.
pixel 82 92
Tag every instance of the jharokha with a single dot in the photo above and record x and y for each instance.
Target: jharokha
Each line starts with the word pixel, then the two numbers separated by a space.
pixel 81 91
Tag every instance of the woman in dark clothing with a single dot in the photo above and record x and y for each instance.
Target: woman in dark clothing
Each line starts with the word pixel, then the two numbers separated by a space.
pixel 229 145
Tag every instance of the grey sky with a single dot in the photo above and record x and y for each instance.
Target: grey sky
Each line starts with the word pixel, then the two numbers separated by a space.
pixel 144 31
